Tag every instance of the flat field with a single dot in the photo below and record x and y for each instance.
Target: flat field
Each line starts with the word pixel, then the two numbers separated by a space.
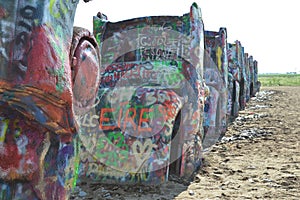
pixel 279 79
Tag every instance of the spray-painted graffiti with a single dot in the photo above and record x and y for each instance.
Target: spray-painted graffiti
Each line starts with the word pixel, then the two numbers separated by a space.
pixel 216 46
pixel 243 81
pixel 256 82
pixel 253 80
pixel 167 74
pixel 241 67
pixel 38 148
pixel 135 118
pixel 211 112
pixel 216 78
pixel 234 68
pixel 150 100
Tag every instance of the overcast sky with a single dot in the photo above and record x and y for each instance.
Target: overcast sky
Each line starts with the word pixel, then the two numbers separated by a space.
pixel 268 29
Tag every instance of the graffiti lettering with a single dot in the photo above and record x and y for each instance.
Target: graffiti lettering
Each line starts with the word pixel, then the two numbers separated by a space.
pixel 141 176
pixel 112 150
pixel 142 151
pixel 119 68
pixel 89 120
pixel 164 40
pixel 61 8
pixel 28 14
pixel 105 119
pixel 129 117
pixel 108 116
pixel 163 47
pixel 169 74
pixel 147 40
pixel 146 120
pixel 3 38
pixel 4 128
pixel 158 54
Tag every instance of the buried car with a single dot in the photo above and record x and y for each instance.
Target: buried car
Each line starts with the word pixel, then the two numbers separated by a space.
pixel 216 78
pixel 234 67
pixel 40 58
pixel 147 120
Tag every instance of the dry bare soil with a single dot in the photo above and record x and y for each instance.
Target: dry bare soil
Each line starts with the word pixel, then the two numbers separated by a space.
pixel 259 158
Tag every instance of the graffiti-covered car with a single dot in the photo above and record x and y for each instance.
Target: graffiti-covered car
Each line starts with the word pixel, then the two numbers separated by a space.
pixel 256 85
pixel 253 75
pixel 39 61
pixel 147 120
pixel 216 78
pixel 247 76
pixel 234 68
pixel 243 81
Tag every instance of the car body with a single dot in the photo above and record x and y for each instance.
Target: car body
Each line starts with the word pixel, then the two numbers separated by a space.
pixel 216 78
pixel 257 83
pixel 254 83
pixel 243 82
pixel 39 60
pixel 234 67
pixel 247 69
pixel 150 100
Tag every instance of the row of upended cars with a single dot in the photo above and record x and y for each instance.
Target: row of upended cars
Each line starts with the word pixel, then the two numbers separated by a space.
pixel 231 75
pixel 133 102
pixel 190 82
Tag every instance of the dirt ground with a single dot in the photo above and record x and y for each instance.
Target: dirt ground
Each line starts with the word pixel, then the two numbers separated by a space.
pixel 259 158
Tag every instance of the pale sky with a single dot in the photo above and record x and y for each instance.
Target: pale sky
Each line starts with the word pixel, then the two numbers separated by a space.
pixel 268 29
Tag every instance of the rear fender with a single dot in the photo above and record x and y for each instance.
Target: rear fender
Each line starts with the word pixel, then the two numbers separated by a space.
pixel 37 121
pixel 134 136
